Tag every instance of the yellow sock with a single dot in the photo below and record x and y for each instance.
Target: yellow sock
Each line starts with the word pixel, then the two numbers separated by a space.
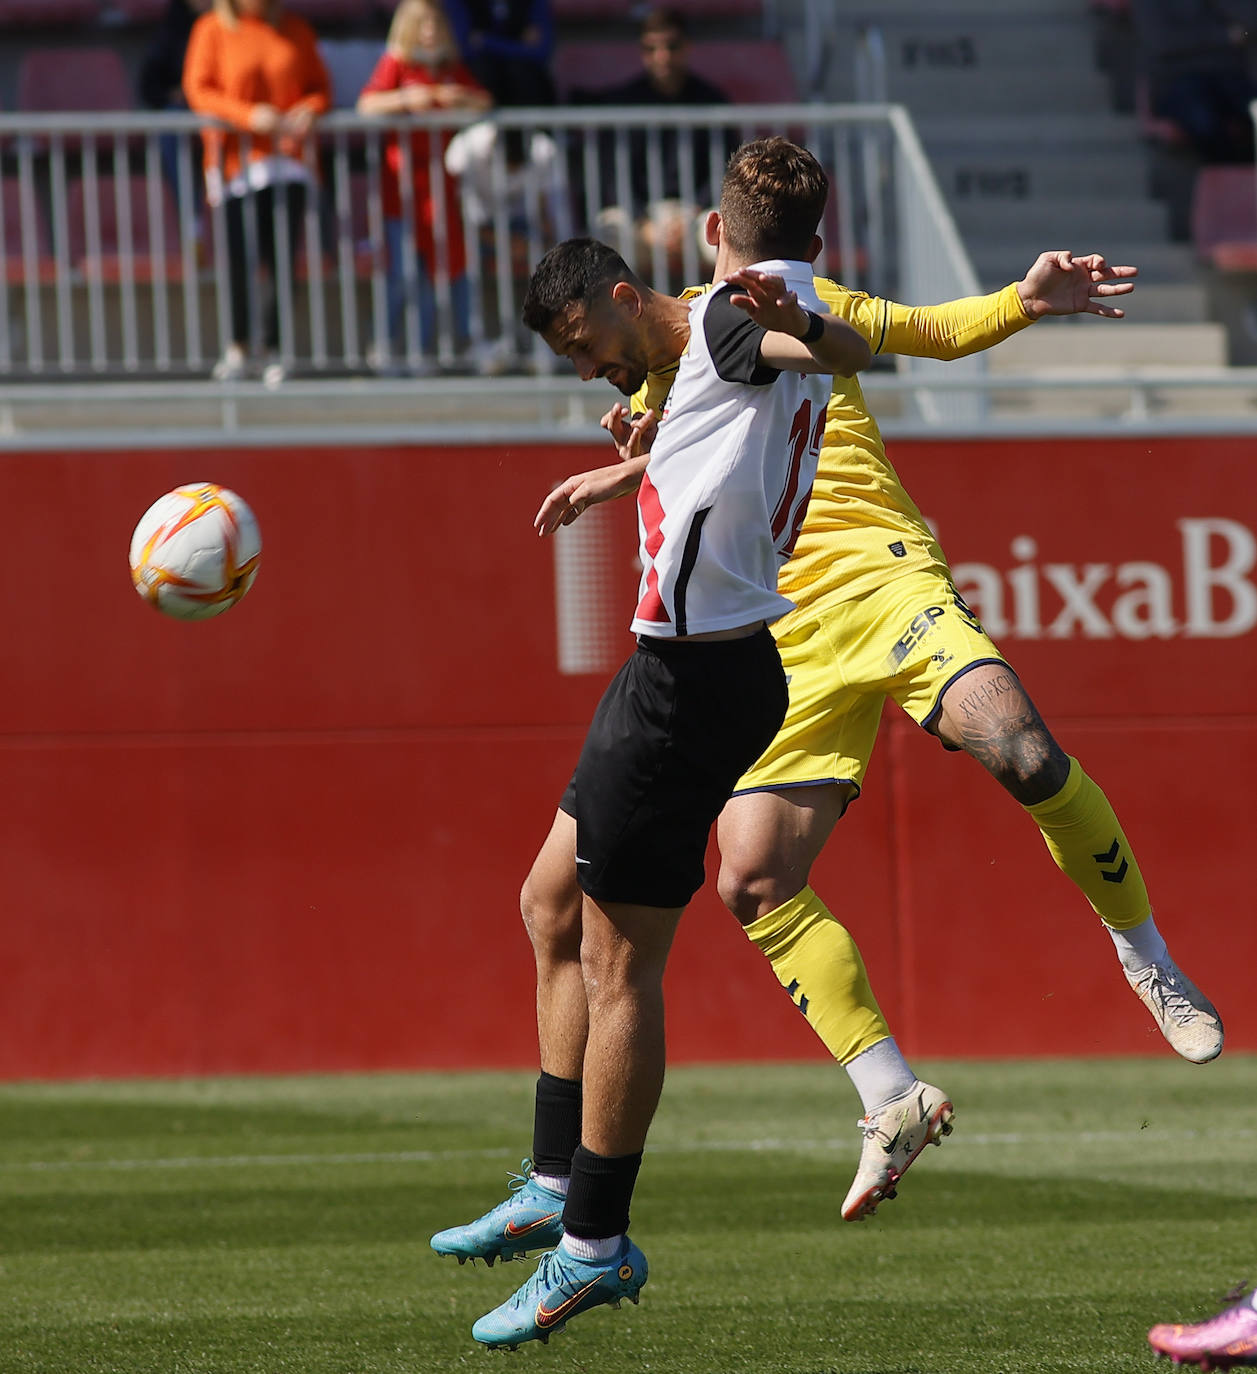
pixel 817 962
pixel 1084 837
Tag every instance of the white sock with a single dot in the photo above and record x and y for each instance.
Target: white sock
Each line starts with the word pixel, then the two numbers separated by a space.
pixel 880 1074
pixel 1139 946
pixel 557 1183
pixel 591 1250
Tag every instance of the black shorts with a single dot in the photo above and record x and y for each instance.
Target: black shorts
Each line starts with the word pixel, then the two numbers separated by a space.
pixel 675 730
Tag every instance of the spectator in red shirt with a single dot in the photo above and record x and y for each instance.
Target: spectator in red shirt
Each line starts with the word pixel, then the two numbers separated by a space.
pixel 421 70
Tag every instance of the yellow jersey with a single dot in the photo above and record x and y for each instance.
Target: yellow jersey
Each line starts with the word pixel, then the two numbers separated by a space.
pixel 862 528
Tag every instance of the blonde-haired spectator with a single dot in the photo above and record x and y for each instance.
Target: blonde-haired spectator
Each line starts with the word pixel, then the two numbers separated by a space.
pixel 421 70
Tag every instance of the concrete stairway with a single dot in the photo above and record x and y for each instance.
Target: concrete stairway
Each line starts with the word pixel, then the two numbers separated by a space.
pixel 1017 121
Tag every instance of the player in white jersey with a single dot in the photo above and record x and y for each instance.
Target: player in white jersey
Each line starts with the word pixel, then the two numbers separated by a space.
pixel 704 693
pixel 714 536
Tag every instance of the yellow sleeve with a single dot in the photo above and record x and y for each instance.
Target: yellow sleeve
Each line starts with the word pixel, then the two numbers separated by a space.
pixel 951 330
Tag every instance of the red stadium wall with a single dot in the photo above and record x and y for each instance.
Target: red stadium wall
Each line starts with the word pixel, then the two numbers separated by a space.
pixel 292 838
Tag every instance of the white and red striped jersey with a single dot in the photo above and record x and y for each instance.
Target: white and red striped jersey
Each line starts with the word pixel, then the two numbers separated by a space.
pixel 730 472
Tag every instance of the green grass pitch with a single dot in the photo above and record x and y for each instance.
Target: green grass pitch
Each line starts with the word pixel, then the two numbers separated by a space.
pixel 270 1225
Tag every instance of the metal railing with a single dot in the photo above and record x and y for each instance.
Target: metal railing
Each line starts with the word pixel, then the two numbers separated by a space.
pixel 115 269
pixel 116 286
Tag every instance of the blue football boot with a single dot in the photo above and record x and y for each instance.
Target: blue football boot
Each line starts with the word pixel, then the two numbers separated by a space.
pixel 530 1219
pixel 561 1289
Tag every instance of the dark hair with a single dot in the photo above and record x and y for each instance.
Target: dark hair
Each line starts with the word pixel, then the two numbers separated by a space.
pixel 664 19
pixel 772 199
pixel 574 272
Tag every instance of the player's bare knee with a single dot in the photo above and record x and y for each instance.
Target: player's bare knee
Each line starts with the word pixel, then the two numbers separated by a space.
pixel 749 891
pixel 988 714
pixel 552 920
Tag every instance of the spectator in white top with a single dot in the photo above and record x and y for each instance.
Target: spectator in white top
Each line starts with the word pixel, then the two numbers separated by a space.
pixel 514 196
pixel 512 170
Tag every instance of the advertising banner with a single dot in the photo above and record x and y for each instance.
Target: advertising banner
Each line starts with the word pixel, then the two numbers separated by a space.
pixel 292 837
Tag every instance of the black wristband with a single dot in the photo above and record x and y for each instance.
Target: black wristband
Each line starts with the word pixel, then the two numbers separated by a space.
pixel 815 327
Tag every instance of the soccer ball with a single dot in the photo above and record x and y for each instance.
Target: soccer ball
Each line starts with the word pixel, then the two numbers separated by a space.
pixel 195 552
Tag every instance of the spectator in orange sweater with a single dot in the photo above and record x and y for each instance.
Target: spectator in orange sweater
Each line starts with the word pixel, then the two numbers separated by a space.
pixel 255 67
pixel 420 70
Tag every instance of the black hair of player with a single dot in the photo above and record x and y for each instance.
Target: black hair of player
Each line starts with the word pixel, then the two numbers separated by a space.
pixel 575 272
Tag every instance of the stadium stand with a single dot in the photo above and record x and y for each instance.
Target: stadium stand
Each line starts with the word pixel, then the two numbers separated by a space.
pixel 47 14
pixel 1224 218
pixel 350 61
pixel 15 243
pixel 338 12
pixel 750 70
pixel 139 11
pixel 73 79
pixel 747 70
pixel 603 11
pixel 139 243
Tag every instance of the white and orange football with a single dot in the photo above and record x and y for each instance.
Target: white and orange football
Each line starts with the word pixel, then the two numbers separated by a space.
pixel 195 552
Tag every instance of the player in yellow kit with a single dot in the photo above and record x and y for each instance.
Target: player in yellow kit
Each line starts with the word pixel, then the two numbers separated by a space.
pixel 876 616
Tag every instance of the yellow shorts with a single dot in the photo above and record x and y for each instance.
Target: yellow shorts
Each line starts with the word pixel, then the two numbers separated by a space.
pixel 908 641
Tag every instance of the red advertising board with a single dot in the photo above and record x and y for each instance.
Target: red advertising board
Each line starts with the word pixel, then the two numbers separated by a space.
pixel 292 837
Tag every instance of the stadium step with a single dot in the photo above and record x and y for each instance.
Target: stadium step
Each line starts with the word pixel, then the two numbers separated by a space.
pixel 1091 222
pixel 1086 345
pixel 992 174
pixel 992 93
pixel 999 261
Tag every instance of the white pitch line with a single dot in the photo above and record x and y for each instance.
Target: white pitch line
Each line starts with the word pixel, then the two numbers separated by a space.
pixel 842 1146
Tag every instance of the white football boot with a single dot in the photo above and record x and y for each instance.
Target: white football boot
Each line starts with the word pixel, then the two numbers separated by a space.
pixel 1184 1015
pixel 893 1137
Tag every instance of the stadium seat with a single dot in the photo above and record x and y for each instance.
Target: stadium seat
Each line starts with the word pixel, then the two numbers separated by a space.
pixel 1224 217
pixel 46 14
pixel 146 233
pixel 74 79
pixel 592 64
pixel 338 12
pixel 720 9
pixel 749 71
pixel 350 61
pixel 14 244
pixel 139 11
pixel 604 11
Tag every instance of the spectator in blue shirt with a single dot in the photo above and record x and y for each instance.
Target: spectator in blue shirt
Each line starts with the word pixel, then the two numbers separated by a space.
pixel 508 44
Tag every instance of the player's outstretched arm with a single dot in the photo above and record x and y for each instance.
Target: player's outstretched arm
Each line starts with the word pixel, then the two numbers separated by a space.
pixel 1059 283
pixel 585 489
pixel 837 348
pixel 574 496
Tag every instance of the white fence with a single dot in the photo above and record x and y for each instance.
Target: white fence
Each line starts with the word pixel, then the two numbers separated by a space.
pixel 114 269
pixel 115 301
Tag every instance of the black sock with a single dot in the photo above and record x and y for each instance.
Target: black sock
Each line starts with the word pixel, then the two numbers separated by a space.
pixel 599 1194
pixel 556 1125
